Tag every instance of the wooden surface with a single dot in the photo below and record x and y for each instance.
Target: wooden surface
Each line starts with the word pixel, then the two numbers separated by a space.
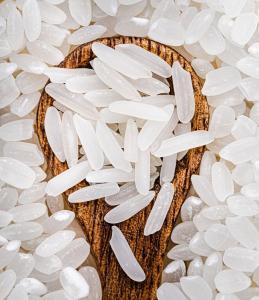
pixel 149 251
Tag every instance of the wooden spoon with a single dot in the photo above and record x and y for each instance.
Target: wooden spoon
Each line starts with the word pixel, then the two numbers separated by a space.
pixel 149 250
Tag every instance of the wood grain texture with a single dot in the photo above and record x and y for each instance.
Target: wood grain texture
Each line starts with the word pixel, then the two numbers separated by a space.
pixel 149 251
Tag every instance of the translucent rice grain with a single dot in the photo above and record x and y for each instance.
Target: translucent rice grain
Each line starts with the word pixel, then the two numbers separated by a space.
pixel 115 80
pixel 15 30
pixel 197 51
pixel 167 290
pixel 69 139
pixel 243 29
pixel 218 237
pixel 199 26
pixel 109 175
pixel 195 267
pixel 5 218
pixel 254 113
pixel 212 266
pixel 54 243
pixel 18 130
pixel 27 153
pixel 86 34
pixel 81 11
pixel 18 292
pixel 127 190
pixel 206 163
pixel 159 210
pixel 221 80
pixel 242 206
pixel 47 265
pixel 82 84
pixel 241 151
pixel 5 48
pixel 29 82
pixel 150 86
pixel 31 19
pixel 202 67
pixel 125 256
pixel 183 232
pixel 8 198
pixel 202 223
pixel 2 25
pixel 28 63
pixel 8 91
pixel 102 98
pixel 52 34
pixel 159 100
pixel 112 118
pixel 150 60
pixel 130 141
pixel 243 230
pixel 7 282
pixel 52 124
pixel 51 14
pixel 22 231
pixel 89 141
pixel 251 190
pixel 92 278
pixel 110 8
pixel 73 283
pixel 222 121
pixel 75 102
pixel 218 212
pixel 213 42
pixel 16 173
pixel 27 212
pixel 120 62
pixel 204 189
pixel 93 192
pixel 133 27
pixel 191 206
pixel 7 69
pixel 142 172
pixel 243 174
pixel 67 179
pixel 233 8
pixel 181 252
pixel 232 54
pixel 167 31
pixel 128 208
pixel 58 221
pixel 111 148
pixel 183 142
pixel 75 253
pixel 183 93
pixel 196 287
pixel 60 75
pixel 168 168
pixel 151 130
pixel 55 204
pixel 33 286
pixel 222 182
pixel 140 110
pixel 249 87
pixel 230 281
pixel 174 271
pixel 249 66
pixel 45 52
pixel 243 127
pixel 25 104
pixel 199 246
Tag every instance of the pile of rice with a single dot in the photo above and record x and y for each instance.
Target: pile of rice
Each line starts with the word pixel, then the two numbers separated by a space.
pixel 117 126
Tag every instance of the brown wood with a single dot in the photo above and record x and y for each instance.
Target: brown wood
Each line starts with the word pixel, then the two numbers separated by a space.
pixel 149 251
